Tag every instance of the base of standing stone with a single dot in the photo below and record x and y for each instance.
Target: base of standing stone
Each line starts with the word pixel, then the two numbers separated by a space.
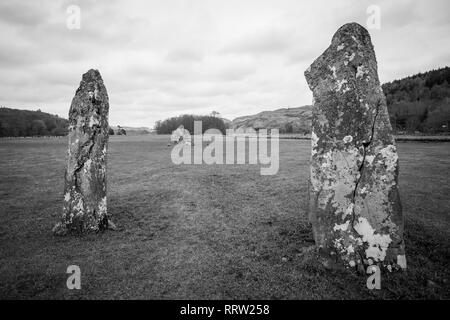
pixel 60 229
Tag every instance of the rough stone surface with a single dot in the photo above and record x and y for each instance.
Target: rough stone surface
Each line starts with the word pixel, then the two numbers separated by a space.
pixel 85 177
pixel 355 207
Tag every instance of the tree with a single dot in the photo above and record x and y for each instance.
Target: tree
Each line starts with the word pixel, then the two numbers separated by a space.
pixel 38 128
pixel 288 128
pixel 437 120
pixel 412 124
pixel 411 100
pixel 60 131
pixel 50 123
pixel 4 129
pixel 171 124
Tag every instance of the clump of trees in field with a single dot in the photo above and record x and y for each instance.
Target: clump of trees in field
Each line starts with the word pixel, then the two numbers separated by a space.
pixel 420 102
pixel 187 120
pixel 25 123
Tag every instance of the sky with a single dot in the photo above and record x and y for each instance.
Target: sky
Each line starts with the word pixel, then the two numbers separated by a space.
pixel 165 58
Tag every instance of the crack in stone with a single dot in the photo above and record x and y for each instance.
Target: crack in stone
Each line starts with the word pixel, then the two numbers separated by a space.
pixel 86 155
pixel 365 144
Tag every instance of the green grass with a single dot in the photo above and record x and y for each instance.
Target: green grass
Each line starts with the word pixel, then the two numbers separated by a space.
pixel 204 232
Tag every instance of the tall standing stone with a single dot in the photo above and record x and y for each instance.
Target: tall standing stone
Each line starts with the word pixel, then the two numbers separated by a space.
pixel 84 207
pixel 355 206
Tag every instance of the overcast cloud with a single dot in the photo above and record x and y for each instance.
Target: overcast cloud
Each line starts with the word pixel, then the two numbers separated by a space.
pixel 165 58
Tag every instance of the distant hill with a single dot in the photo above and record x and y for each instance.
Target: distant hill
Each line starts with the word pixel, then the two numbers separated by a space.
pixel 24 123
pixel 286 120
pixel 228 123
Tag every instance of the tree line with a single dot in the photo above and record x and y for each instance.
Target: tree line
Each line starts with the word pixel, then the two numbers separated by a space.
pixel 187 120
pixel 24 123
pixel 420 103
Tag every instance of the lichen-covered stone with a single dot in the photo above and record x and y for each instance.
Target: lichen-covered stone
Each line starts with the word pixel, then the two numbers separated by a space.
pixel 84 207
pixel 355 207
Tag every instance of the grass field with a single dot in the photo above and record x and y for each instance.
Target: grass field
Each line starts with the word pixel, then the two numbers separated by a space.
pixel 204 232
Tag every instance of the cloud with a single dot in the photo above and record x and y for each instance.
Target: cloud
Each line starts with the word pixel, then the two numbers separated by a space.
pixel 269 41
pixel 23 14
pixel 182 55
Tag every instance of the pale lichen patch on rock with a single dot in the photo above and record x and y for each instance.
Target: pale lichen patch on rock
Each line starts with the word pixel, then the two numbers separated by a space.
pixel 377 243
pixel 347 139
pixel 360 72
pixel 333 70
pixel 314 140
pixel 341 227
pixel 349 58
pixel 339 84
pixel 401 261
pixel 390 156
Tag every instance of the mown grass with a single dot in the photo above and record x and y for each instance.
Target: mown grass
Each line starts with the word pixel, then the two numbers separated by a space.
pixel 204 232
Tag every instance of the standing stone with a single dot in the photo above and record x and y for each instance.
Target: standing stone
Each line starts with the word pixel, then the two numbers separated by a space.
pixel 355 207
pixel 85 177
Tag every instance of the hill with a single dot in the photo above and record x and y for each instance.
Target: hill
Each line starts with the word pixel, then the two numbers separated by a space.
pixel 287 120
pixel 23 123
pixel 227 122
pixel 416 104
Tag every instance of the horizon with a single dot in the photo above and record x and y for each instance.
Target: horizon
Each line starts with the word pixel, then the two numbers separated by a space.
pixel 160 60
pixel 193 114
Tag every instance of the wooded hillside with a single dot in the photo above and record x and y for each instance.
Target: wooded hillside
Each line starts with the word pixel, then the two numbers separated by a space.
pixel 420 102
pixel 23 123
